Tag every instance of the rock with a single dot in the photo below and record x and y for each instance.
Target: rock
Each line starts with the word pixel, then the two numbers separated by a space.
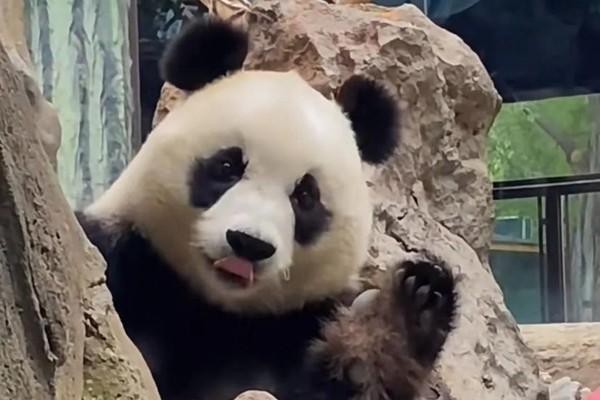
pixel 567 389
pixel 112 365
pixel 485 358
pixel 170 96
pixel 42 333
pixel 231 10
pixel 61 337
pixel 567 350
pixel 47 122
pixel 12 30
pixel 434 197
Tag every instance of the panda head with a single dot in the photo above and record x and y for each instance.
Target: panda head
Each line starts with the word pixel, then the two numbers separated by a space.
pixel 252 188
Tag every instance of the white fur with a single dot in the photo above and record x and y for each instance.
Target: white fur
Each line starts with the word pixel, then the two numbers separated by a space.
pixel 286 129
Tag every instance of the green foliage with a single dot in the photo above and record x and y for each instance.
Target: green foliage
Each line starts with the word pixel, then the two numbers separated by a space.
pixel 521 147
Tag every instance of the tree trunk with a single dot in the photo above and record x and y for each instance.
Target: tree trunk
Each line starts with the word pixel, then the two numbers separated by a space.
pixel 582 252
pixel 60 336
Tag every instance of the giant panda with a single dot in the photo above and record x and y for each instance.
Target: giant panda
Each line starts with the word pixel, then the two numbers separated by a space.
pixel 233 234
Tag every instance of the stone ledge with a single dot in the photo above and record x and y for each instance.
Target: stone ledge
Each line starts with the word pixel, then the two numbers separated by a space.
pixel 571 350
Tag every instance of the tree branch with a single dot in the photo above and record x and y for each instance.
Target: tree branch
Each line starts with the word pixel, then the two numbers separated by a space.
pixel 558 135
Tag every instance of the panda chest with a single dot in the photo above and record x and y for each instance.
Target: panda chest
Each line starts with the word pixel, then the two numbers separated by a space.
pixel 219 356
pixel 194 349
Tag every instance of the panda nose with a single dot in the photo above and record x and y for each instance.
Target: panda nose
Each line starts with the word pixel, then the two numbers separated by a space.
pixel 249 247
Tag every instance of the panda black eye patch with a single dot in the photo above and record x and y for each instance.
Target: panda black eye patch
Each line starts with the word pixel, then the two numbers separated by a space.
pixel 312 218
pixel 211 177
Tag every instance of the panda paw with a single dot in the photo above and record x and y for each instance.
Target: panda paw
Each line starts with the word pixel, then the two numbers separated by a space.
pixel 425 292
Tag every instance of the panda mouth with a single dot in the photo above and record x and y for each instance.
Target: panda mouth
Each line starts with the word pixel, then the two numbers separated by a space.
pixel 235 270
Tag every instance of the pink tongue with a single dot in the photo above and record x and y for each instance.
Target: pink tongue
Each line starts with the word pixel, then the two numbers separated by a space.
pixel 237 266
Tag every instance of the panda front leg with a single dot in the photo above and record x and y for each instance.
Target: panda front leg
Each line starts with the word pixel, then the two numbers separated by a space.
pixel 387 347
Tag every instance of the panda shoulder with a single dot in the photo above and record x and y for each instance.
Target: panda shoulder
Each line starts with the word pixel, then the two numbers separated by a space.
pixel 105 234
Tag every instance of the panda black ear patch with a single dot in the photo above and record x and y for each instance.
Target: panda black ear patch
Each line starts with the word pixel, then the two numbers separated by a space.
pixel 374 115
pixel 205 49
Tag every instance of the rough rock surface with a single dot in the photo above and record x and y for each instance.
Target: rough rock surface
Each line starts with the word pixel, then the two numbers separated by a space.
pixel 567 350
pixel 112 365
pixel 61 338
pixel 41 350
pixel 434 197
pixel 485 357
pixel 567 389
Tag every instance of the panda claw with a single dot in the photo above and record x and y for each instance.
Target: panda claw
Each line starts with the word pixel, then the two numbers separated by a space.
pixel 438 301
pixel 426 319
pixel 409 285
pixel 426 295
pixel 399 275
pixel 421 296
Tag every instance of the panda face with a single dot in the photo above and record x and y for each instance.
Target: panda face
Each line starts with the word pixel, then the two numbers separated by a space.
pixel 275 188
pixel 252 188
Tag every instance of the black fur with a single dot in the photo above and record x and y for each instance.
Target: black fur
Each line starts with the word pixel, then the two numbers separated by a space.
pixel 426 291
pixel 198 351
pixel 396 340
pixel 195 349
pixel 206 49
pixel 312 218
pixel 102 235
pixel 210 179
pixel 374 115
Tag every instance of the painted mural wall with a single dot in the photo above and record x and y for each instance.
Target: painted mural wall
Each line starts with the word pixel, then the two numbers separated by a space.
pixel 82 53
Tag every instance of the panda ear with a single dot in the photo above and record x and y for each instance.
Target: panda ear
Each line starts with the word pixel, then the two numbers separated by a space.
pixel 207 48
pixel 374 114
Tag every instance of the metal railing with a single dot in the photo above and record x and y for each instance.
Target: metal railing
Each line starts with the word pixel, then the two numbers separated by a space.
pixel 551 194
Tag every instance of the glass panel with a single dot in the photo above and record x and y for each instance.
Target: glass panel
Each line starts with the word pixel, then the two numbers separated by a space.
pixel 515 258
pixel 532 49
pixel 581 219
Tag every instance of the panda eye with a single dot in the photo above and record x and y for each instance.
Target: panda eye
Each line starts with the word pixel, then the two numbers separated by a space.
pixel 227 168
pixel 304 200
pixel 223 170
pixel 306 194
